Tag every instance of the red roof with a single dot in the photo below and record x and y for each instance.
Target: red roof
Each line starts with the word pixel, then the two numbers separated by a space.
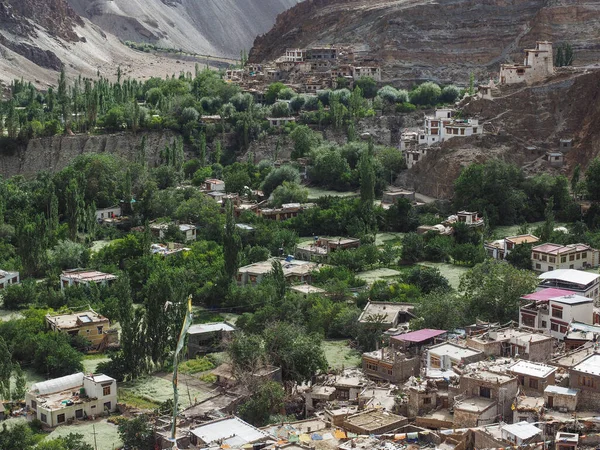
pixel 546 294
pixel 419 336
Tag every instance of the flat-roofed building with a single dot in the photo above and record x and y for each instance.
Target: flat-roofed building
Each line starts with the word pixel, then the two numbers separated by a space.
pixel 445 356
pixel 521 433
pixel 533 377
pixel 84 277
pixel 89 324
pixel 294 271
pixel 71 398
pixel 7 278
pixel 554 314
pixel 577 281
pixel 510 342
pixel 232 432
pixel 585 376
pixel 548 257
pixel 373 421
pixel 561 398
pixel 501 248
pixel 388 314
pixel 321 247
pixel 208 337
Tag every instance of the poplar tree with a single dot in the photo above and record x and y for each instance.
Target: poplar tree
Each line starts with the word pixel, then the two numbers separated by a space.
pixel 231 242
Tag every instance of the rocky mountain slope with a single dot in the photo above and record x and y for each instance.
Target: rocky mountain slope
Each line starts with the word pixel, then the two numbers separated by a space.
pixel 214 27
pixel 38 37
pixel 440 40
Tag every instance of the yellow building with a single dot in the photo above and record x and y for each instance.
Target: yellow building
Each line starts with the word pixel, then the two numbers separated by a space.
pixel 88 324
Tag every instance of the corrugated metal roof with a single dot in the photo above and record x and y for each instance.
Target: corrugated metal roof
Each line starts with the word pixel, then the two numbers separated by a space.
pixel 210 327
pixel 58 384
pixel 420 335
pixel 570 275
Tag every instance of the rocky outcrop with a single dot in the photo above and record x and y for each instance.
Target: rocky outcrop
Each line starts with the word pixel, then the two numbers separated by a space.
pixel 56 16
pixel 55 153
pixel 43 58
pixel 427 39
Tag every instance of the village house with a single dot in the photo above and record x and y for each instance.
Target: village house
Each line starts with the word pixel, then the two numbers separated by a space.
pixel 294 271
pixel 501 248
pixel 287 211
pixel 83 277
pixel 109 213
pixel 533 377
pixel 322 53
pixel 388 314
pixel 390 364
pixel 89 324
pixel 373 421
pixel 488 396
pixel 307 289
pixel 509 342
pixel 521 433
pixel 565 145
pixel 555 159
pixel 444 357
pixel 580 334
pixel 280 121
pixel 71 398
pixel 160 229
pixel 553 314
pixel 538 65
pixel 566 441
pixel 231 431
pixel 7 278
pixel 295 54
pixel 585 376
pixel 469 218
pixel 561 398
pixel 415 342
pixel 548 257
pixel 367 71
pixel 321 247
pixel 208 337
pixel 443 126
pixel 579 282
pixel 528 409
pixel 213 185
pixel 392 195
pixel 170 249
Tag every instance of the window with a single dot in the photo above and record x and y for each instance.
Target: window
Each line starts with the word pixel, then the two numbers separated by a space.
pixel 544 324
pixel 485 392
pixel 544 258
pixel 527 320
pixel 552 259
pixel 586 381
pixel 33 405
pixel 427 401
pixel 554 326
pixel 538 266
pixel 43 418
pixel 536 256
pixel 79 413
pixel 87 331
pixel 584 255
pixel 563 259
pixel 571 257
pixel 563 329
pixel 107 406
pixel 533 383
pixel 435 362
pixel 371 366
pixel 106 390
pixel 557 313
pixel 578 256
pixel 60 418
pixel 100 329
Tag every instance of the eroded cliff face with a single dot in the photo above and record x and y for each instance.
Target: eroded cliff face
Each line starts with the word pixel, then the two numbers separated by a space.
pixel 55 153
pixel 427 39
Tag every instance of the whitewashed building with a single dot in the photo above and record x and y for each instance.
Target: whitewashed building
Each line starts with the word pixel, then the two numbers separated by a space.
pixel 538 65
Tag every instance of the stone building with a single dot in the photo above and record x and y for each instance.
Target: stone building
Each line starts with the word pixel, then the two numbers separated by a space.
pixel 538 65
pixel 585 376
pixel 533 377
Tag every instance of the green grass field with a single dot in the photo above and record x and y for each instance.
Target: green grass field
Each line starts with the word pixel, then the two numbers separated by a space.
pixel 339 355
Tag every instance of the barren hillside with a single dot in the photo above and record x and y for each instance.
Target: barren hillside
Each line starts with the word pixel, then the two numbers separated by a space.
pixel 517 120
pixel 440 40
pixel 38 37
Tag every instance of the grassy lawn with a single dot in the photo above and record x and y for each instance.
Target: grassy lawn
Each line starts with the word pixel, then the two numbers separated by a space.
pixel 136 401
pixel 192 366
pixel 339 355
pixel 107 436
pixel 450 271
pixel 157 390
pixel 90 362
pixel 389 238
pixel 370 276
pixel 6 315
pixel 316 192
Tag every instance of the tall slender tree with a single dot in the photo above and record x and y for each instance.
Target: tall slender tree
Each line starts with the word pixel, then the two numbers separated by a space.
pixel 231 243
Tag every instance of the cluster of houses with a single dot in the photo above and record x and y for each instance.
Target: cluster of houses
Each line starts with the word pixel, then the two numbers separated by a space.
pixel 307 70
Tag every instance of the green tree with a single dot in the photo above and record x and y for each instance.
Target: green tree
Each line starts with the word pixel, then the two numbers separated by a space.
pixel 368 86
pixel 304 140
pixel 273 92
pixel 592 180
pixel 520 257
pixel 413 247
pixel 440 309
pixel 54 357
pixel 265 400
pixel 137 433
pixel 6 368
pixel 289 192
pixel 559 61
pixel 18 437
pixel 426 94
pixel 231 243
pixel 277 176
pixel 428 279
pixel 492 290
pixel 575 179
pixel 236 178
pixel 20 389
